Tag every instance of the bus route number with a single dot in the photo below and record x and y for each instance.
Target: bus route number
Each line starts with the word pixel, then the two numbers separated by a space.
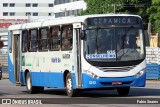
pixel 92 82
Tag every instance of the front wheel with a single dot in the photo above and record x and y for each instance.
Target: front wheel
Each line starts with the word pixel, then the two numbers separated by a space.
pixel 69 86
pixel 32 89
pixel 123 91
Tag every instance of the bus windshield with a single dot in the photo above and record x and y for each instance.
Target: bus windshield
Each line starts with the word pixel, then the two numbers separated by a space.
pixel 114 44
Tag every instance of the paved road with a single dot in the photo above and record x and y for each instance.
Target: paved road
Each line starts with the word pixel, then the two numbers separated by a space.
pixel 152 90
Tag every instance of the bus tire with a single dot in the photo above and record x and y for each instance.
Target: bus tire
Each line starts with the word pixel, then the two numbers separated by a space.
pixel 69 86
pixel 123 91
pixel 40 89
pixel 31 89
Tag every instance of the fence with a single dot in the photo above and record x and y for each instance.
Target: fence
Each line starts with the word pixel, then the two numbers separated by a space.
pixel 153 63
pixel 4 64
pixel 5 72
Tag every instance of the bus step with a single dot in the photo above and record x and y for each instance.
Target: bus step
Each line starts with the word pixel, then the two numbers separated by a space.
pixel 18 84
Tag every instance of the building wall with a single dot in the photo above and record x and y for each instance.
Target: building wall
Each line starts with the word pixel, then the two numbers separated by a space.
pixel 25 10
pixel 69 9
pixel 19 9
pixel 3 51
pixel 16 9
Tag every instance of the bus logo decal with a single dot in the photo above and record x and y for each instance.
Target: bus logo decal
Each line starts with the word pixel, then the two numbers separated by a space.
pixel 55 60
pixel 100 56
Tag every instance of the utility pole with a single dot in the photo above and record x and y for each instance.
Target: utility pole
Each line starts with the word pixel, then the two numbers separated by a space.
pixel 29 17
pixel 65 11
pixel 114 8
pixel 149 28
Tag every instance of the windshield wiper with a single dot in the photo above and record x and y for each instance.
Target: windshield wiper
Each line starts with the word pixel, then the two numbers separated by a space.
pixel 124 53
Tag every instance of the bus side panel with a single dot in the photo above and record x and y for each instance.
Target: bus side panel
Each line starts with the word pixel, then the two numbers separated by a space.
pixel 47 79
pixel 22 78
pixel 11 70
pixel 73 75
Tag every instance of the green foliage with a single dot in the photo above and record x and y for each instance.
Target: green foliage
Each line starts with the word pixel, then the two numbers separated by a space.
pixel 102 6
pixel 155 1
pixel 117 6
pixel 154 17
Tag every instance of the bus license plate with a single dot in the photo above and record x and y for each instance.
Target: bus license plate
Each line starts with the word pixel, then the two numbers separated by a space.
pixel 116 83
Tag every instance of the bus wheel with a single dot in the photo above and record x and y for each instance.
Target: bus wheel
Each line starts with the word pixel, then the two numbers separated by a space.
pixel 31 89
pixel 69 86
pixel 123 91
pixel 40 89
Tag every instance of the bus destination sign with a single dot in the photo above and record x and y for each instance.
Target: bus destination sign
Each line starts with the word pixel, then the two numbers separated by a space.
pixel 103 21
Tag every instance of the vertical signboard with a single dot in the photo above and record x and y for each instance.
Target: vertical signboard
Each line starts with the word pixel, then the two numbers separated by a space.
pixel 154 40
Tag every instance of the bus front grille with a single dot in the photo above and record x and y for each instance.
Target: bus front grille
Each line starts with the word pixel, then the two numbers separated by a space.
pixel 116 69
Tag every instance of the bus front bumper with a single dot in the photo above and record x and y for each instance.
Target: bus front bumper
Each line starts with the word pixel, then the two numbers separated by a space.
pixel 108 82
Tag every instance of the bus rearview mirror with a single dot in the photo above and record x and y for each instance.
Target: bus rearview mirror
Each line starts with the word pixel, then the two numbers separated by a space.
pixel 83 34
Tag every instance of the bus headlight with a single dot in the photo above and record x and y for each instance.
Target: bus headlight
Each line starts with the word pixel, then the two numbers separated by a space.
pixel 140 73
pixel 91 74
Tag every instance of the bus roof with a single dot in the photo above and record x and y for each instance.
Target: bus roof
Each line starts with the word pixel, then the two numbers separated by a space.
pixel 60 21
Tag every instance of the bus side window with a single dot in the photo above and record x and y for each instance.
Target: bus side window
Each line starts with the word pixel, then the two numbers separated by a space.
pixel 24 40
pixel 67 37
pixel 33 44
pixel 55 38
pixel 43 39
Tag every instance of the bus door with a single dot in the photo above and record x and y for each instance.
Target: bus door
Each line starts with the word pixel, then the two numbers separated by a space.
pixel 78 51
pixel 16 57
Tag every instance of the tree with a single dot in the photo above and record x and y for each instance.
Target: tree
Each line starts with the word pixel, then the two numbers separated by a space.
pixel 138 7
pixel 154 17
pixel 102 6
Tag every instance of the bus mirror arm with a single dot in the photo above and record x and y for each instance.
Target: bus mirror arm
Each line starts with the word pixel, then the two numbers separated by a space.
pixel 83 34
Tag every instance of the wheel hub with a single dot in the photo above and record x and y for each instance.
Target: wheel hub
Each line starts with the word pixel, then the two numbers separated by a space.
pixel 29 83
pixel 69 85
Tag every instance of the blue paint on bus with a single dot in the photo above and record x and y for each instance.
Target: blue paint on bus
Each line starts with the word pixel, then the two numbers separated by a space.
pixel 47 79
pixel 89 82
pixel 10 70
pixel 54 79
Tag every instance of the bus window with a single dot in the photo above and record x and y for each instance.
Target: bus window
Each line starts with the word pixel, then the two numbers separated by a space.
pixel 33 40
pixel 24 40
pixel 67 37
pixel 54 38
pixel 131 36
pixel 43 39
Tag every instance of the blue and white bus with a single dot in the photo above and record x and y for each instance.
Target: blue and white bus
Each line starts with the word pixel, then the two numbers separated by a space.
pixel 104 51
